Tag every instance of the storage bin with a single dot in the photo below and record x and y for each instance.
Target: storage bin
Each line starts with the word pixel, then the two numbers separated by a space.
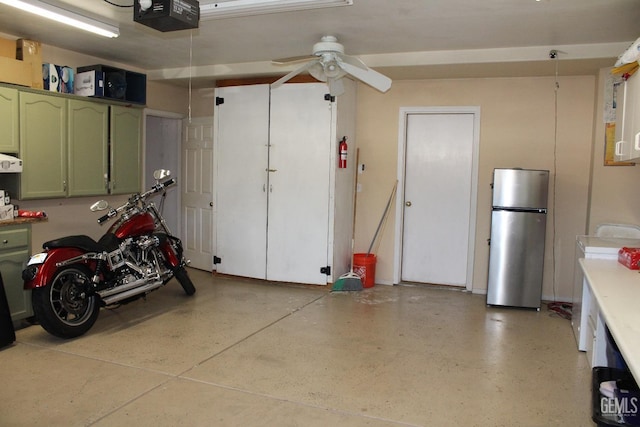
pixel 620 409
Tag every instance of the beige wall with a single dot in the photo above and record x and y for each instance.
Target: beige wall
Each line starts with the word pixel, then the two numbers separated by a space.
pixel 517 129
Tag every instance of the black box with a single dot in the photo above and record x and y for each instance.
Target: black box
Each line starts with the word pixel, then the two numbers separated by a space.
pixel 123 85
pixel 168 15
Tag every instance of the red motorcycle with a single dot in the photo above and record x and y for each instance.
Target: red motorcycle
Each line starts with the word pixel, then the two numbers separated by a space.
pixel 76 275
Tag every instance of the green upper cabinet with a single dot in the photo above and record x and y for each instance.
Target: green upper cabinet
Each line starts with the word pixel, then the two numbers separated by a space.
pixel 70 146
pixel 43 146
pixel 9 142
pixel 88 148
pixel 126 134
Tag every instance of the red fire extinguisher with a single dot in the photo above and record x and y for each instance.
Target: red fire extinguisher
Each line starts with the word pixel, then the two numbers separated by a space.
pixel 342 148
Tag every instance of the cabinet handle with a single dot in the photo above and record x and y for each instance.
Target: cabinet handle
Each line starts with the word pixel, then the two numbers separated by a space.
pixel 5 241
pixel 64 185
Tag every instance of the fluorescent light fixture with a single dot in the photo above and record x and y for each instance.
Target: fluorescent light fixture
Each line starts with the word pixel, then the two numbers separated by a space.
pixel 64 16
pixel 231 8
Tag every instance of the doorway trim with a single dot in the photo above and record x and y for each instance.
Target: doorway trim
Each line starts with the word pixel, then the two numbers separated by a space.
pixel 402 148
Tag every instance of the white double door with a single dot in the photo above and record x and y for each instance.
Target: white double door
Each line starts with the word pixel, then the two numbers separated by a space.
pixel 272 179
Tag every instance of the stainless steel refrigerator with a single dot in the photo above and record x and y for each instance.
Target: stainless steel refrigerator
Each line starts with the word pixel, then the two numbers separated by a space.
pixel 518 228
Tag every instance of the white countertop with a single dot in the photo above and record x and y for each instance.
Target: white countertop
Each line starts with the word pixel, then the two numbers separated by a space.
pixel 617 290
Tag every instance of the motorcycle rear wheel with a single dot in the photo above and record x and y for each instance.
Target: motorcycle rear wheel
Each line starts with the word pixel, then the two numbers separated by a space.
pixel 62 307
pixel 183 278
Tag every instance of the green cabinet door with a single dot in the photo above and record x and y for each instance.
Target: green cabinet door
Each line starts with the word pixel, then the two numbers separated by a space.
pixel 9 142
pixel 126 137
pixel 14 254
pixel 88 148
pixel 43 146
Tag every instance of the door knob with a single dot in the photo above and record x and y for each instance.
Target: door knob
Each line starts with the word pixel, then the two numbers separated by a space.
pixel 211 204
pixel 407 203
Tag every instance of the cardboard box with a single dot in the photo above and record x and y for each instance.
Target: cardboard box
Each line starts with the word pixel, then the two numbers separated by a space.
pixel 8 48
pixel 57 78
pixel 89 83
pixel 31 51
pixel 4 198
pixel 14 71
pixel 6 213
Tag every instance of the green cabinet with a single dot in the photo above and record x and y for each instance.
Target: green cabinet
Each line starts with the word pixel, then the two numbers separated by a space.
pixel 126 134
pixel 71 146
pixel 43 146
pixel 15 248
pixel 9 131
pixel 88 148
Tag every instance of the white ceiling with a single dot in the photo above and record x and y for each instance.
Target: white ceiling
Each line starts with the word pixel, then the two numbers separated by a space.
pixel 404 39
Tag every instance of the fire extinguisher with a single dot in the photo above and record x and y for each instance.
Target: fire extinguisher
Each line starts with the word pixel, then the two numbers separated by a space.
pixel 342 148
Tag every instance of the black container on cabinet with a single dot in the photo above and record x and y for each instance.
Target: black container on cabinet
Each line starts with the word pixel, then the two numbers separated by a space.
pixel 120 84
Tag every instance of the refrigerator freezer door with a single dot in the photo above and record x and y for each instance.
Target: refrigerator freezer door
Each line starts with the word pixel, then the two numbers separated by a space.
pixel 516 258
pixel 520 188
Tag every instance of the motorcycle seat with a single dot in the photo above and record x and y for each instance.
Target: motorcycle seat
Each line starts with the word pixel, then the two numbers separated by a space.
pixel 83 242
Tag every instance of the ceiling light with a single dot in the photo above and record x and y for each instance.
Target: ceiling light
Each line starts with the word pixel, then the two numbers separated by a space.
pixel 64 16
pixel 231 8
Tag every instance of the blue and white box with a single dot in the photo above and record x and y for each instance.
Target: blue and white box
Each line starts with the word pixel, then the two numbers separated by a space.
pixel 57 78
pixel 89 83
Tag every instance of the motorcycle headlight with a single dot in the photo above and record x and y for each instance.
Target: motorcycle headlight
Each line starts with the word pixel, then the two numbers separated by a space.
pixel 37 258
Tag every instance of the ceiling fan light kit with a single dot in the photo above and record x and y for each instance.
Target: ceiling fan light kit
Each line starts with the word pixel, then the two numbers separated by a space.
pixel 232 8
pixel 64 16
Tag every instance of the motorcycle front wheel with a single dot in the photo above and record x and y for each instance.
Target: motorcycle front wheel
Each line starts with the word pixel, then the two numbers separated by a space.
pixel 62 307
pixel 181 276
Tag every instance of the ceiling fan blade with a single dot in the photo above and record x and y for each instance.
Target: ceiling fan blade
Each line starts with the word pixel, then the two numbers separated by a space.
pixel 292 74
pixel 336 87
pixel 354 61
pixel 372 78
pixel 292 59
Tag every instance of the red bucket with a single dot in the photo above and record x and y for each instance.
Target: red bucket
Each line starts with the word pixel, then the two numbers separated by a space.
pixel 364 265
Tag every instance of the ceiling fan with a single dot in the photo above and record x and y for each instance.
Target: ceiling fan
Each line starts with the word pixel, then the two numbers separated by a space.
pixel 328 63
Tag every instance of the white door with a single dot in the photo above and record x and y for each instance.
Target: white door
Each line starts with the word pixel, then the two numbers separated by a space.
pixel 162 142
pixel 198 233
pixel 299 164
pixel 437 202
pixel 242 138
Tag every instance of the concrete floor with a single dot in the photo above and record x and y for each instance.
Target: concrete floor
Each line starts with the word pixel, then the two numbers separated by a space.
pixel 245 353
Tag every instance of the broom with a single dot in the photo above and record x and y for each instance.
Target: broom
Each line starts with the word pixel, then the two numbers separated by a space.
pixel 351 281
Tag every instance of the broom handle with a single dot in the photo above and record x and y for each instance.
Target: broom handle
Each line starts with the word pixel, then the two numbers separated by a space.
pixel 384 214
pixel 355 194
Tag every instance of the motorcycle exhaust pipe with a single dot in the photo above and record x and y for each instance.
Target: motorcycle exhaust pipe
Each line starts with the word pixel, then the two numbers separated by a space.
pixel 122 288
pixel 132 292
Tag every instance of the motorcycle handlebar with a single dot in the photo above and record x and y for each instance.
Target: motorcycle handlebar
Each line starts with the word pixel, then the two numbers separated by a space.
pixel 134 199
pixel 103 218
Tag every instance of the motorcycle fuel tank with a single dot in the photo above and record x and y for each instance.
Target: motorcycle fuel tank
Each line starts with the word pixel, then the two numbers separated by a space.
pixel 136 225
